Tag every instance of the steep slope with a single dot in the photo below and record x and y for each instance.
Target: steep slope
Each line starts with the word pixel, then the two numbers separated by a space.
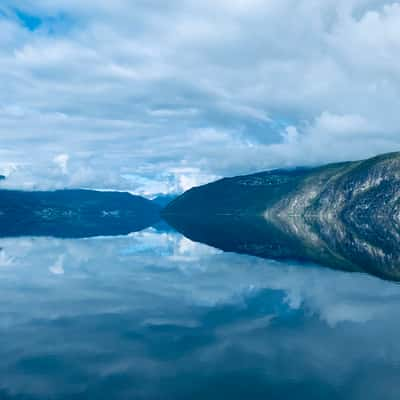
pixel 332 190
pixel 251 194
pixel 73 213
pixel 344 215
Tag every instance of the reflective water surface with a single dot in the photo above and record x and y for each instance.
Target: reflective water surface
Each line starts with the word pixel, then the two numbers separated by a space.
pixel 358 247
pixel 153 315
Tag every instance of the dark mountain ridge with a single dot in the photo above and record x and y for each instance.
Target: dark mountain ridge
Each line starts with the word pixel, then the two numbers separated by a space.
pixel 298 191
pixel 74 213
pixel 344 215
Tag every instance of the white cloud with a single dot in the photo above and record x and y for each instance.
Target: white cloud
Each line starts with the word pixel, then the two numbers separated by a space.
pixel 58 267
pixel 61 161
pixel 206 85
pixel 290 135
pixel 5 260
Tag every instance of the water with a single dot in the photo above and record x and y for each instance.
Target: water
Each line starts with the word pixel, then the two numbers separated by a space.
pixel 153 315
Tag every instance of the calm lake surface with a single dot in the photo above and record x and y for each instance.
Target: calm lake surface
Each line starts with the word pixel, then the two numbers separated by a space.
pixel 153 315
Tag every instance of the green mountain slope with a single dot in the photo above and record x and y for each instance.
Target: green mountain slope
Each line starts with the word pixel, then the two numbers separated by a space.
pixel 344 215
pixel 331 188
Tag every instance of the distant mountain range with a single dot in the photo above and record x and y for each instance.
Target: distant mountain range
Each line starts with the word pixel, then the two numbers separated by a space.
pixel 345 215
pixel 164 199
pixel 74 213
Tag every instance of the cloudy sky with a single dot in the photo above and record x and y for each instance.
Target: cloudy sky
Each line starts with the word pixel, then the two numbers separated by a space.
pixel 157 96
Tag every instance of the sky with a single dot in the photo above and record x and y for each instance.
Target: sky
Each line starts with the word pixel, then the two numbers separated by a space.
pixel 159 96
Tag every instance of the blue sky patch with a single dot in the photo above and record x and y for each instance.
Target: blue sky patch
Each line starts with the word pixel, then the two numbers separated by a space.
pixel 57 24
pixel 31 22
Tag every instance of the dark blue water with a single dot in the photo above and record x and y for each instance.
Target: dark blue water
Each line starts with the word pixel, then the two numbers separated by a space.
pixel 153 315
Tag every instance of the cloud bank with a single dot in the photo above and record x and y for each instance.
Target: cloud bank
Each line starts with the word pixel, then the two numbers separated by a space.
pixel 152 96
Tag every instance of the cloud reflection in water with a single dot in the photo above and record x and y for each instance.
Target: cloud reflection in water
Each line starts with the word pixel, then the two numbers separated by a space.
pixel 153 313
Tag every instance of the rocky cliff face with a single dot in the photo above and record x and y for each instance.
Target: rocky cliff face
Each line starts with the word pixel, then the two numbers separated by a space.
pixel 343 215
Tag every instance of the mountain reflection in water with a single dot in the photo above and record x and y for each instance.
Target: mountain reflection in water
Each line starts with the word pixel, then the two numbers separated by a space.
pixel 349 247
pixel 154 315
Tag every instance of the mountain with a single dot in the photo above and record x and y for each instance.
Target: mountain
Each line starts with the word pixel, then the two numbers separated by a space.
pixel 344 215
pixel 164 199
pixel 74 213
